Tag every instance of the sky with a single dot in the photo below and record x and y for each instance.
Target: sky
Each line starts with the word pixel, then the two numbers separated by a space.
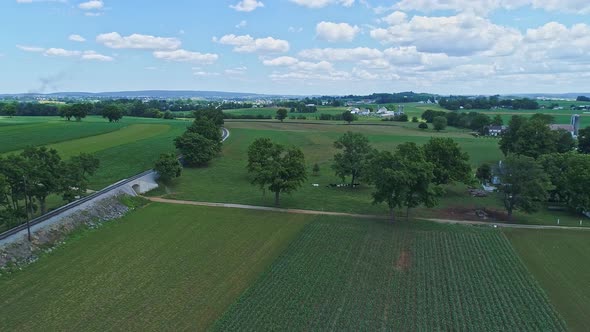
pixel 297 47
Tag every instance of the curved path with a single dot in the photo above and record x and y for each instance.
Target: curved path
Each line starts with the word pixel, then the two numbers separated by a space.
pixel 363 216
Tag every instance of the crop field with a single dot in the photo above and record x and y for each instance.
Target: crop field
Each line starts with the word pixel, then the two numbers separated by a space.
pixel 163 267
pixel 18 133
pixel 559 261
pixel 124 148
pixel 349 275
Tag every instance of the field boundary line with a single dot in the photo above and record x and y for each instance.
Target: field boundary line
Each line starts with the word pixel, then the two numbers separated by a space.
pixel 264 208
pixel 503 225
pixel 344 214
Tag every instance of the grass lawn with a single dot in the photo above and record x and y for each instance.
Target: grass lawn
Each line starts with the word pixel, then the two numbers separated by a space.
pixel 351 275
pixel 559 261
pixel 163 267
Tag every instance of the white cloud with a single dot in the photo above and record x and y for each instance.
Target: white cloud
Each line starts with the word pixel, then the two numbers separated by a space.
pixel 463 34
pixel 322 3
pixel 186 56
pixel 137 41
pixel 486 6
pixel 91 5
pixel 395 18
pixel 61 52
pixel 236 71
pixel 341 54
pixel 307 76
pixel 247 44
pixel 296 64
pixel 336 32
pixel 247 5
pixel 555 41
pixel 30 48
pixel 242 24
pixel 77 38
pixel 92 55
pixel 200 73
pixel 281 61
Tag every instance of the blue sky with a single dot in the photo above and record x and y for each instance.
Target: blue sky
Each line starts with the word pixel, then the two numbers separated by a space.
pixel 296 46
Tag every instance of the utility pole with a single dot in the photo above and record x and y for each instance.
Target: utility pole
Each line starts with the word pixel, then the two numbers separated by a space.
pixel 27 208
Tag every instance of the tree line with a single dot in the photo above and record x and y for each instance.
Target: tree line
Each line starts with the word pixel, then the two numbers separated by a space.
pixel 29 178
pixel 472 120
pixel 541 166
pixel 454 103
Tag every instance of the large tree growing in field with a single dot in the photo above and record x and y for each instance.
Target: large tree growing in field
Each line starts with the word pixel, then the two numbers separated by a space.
pixel 525 184
pixel 451 164
pixel 196 149
pixel 168 167
pixel 45 173
pixel 351 161
pixel 281 114
pixel 404 179
pixel 275 167
pixel 113 113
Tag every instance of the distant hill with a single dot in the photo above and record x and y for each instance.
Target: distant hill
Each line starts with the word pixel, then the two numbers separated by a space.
pixel 570 95
pixel 154 94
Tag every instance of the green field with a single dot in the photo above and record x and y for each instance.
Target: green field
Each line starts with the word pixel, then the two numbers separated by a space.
pixel 559 261
pixel 20 132
pixel 348 275
pixel 175 267
pixel 161 268
pixel 226 179
pixel 124 148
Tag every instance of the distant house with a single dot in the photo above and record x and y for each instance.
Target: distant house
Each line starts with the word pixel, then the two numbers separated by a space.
pixel 365 112
pixel 382 110
pixel 497 131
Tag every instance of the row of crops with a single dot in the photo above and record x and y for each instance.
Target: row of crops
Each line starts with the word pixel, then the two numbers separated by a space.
pixel 359 275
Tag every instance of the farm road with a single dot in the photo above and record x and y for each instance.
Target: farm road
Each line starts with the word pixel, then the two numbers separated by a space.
pixel 363 216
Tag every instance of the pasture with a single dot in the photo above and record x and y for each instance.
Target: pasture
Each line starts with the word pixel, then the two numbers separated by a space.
pixel 160 268
pixel 559 261
pixel 226 179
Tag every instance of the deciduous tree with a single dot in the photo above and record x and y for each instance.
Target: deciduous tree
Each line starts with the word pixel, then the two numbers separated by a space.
pixel 439 123
pixel 113 113
pixel 525 184
pixel 168 167
pixel 451 164
pixel 348 117
pixel 402 180
pixel 276 168
pixel 584 140
pixel 350 162
pixel 196 149
pixel 281 114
